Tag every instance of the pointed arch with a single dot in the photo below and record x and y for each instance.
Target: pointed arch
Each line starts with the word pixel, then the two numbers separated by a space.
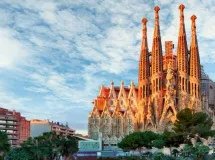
pixel 149 127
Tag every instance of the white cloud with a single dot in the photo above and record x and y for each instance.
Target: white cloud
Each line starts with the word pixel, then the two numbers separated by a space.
pixel 12 52
pixel 37 89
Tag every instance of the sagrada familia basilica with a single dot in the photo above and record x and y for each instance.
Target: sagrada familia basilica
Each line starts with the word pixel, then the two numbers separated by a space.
pixel 167 83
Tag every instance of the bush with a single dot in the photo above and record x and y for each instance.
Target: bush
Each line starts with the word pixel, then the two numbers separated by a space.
pixel 158 156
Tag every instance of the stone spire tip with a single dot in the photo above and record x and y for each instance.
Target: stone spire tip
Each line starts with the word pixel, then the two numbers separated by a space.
pixel 181 7
pixel 157 9
pixel 144 20
pixel 193 18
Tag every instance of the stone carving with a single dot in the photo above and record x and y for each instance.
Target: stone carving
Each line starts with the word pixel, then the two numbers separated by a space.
pixel 169 111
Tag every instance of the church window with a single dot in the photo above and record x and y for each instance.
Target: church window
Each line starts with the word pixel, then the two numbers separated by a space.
pixel 121 102
pixel 183 83
pixel 146 90
pixel 150 89
pixel 111 102
pixel 195 89
pixel 192 89
pixel 156 84
pixel 188 87
pixel 132 102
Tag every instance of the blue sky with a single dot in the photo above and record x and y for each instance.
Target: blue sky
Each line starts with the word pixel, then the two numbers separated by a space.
pixel 55 54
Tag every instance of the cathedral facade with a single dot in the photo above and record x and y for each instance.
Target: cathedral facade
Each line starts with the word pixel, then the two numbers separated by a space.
pixel 167 83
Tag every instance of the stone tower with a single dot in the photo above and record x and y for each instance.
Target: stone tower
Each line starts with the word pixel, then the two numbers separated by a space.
pixel 156 69
pixel 182 63
pixel 195 69
pixel 143 77
pixel 156 62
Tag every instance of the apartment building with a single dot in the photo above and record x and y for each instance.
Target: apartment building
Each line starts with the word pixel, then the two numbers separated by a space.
pixel 38 127
pixel 15 125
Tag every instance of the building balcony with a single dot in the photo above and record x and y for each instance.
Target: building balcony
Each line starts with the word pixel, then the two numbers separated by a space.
pixel 9 128
pixel 8 118
pixel 14 134
pixel 8 124
pixel 12 137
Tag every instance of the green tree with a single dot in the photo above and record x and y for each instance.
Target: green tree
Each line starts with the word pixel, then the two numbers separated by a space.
pixel 158 156
pixel 19 154
pixel 4 144
pixel 187 150
pixel 172 139
pixel 49 146
pixel 69 146
pixel 190 124
pixel 137 140
pixel 200 151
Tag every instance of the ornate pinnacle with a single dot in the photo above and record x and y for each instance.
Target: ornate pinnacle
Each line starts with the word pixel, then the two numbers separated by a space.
pixel 182 27
pixel 156 9
pixel 193 18
pixel 156 15
pixel 144 21
pixel 193 28
pixel 157 30
pixel 181 7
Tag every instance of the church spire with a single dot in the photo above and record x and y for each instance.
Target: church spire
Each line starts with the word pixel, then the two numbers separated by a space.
pixel 157 27
pixel 194 60
pixel 156 46
pixel 157 66
pixel 144 55
pixel 194 43
pixel 144 66
pixel 182 51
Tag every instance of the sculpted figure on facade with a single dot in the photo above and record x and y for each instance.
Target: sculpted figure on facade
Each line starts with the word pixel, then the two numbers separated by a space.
pixel 150 120
pixel 169 111
pixel 129 121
